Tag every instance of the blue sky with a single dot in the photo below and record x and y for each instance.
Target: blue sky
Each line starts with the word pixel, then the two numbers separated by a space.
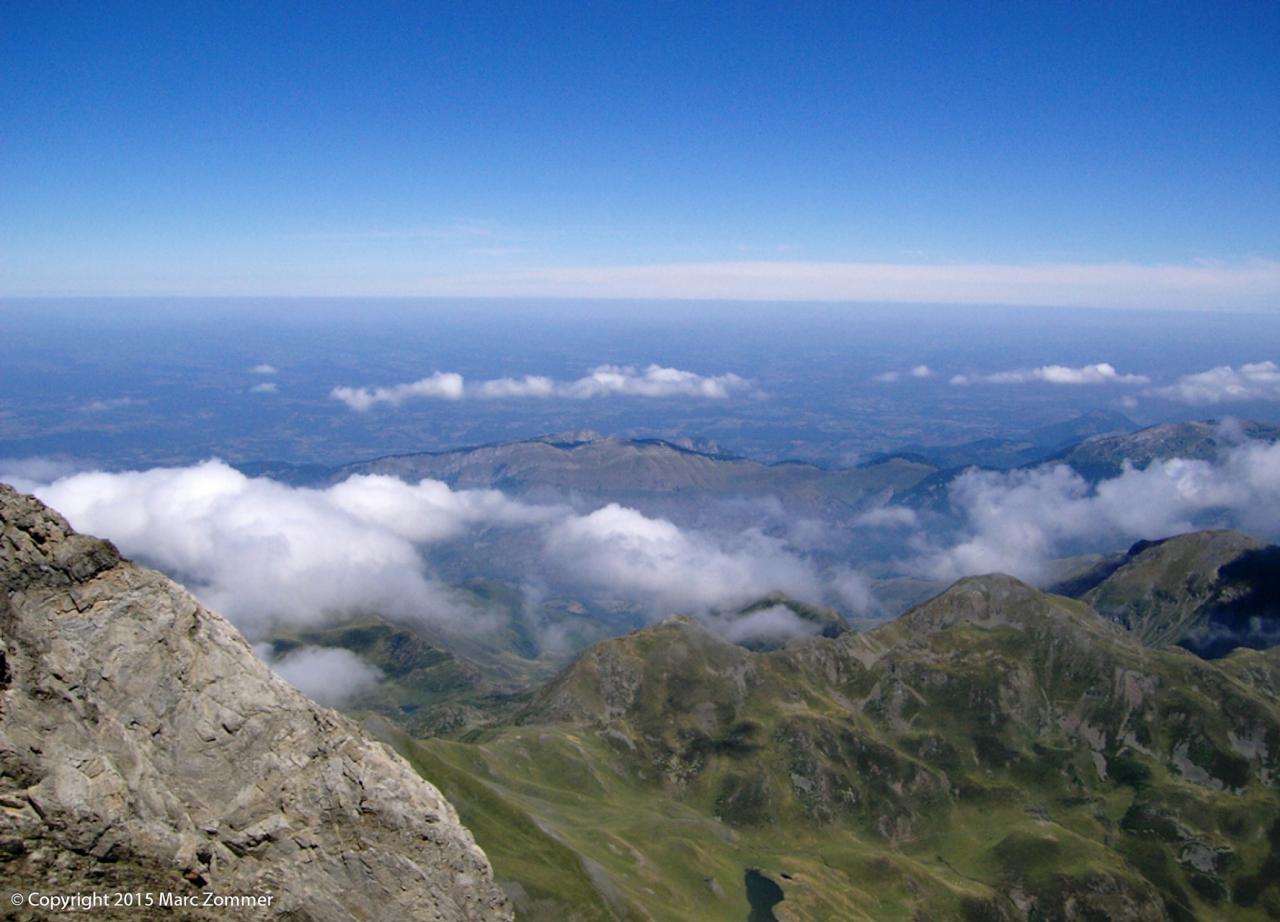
pixel 1123 154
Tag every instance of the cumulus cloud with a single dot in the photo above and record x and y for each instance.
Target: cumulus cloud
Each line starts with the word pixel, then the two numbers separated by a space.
pixel 327 675
pixel 430 511
pixel 623 551
pixel 266 387
pixel 1224 384
pixel 263 369
pixel 919 371
pixel 1101 373
pixel 445 385
pixel 653 381
pixel 1015 522
pixel 263 553
pixel 528 386
pixel 601 381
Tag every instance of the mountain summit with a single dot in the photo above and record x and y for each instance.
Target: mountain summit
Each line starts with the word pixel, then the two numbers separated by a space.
pixel 144 748
pixel 997 753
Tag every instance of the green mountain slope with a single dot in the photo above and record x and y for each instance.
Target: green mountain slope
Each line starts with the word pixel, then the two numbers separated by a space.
pixel 1208 591
pixel 996 753
pixel 1164 589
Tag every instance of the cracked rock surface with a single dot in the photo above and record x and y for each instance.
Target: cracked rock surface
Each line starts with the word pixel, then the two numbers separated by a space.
pixel 144 747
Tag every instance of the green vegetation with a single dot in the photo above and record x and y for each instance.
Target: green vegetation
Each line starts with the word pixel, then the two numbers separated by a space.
pixel 994 754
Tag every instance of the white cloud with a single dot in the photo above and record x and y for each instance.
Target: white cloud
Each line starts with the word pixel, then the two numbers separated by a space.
pixel 852 590
pixel 887 517
pixel 1200 286
pixel 443 384
pixel 327 675
pixel 262 552
pixel 430 511
pixel 601 381
pixel 1016 521
pixel 110 403
pixel 24 473
pixel 263 369
pixel 265 553
pixel 620 550
pixel 528 386
pixel 775 624
pixel 1224 384
pixel 653 381
pixel 266 387
pixel 919 371
pixel 1101 373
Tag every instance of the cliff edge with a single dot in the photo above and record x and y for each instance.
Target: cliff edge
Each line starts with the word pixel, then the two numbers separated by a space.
pixel 143 747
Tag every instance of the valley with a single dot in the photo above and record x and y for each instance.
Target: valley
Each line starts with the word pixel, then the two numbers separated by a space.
pixel 996 752
pixel 1104 746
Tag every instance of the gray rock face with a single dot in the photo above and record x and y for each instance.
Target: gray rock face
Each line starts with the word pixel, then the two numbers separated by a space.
pixel 144 746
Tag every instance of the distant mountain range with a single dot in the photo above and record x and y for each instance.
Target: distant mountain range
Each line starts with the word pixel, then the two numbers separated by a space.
pixel 1040 444
pixel 648 473
pixel 1095 445
pixel 1107 750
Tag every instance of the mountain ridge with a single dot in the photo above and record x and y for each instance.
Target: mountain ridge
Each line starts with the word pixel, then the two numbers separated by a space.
pixel 143 745
pixel 995 753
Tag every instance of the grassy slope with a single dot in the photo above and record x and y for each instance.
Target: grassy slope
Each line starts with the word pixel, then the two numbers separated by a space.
pixel 940 765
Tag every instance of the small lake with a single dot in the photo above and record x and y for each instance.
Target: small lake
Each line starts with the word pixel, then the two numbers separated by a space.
pixel 762 895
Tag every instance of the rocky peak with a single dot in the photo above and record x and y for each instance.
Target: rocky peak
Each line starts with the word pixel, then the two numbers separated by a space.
pixel 985 601
pixel 143 746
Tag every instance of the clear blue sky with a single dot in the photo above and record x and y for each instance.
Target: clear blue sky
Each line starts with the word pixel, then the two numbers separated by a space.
pixel 276 147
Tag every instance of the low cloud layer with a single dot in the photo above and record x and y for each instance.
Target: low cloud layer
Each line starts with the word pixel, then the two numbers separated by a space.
pixel 441 385
pixel 267 554
pixel 1101 373
pixel 1256 381
pixel 328 675
pixel 1016 522
pixel 263 553
pixel 616 549
pixel 601 381
pixel 772 625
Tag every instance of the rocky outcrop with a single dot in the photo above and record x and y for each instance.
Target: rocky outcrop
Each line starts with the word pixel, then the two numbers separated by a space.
pixel 144 747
